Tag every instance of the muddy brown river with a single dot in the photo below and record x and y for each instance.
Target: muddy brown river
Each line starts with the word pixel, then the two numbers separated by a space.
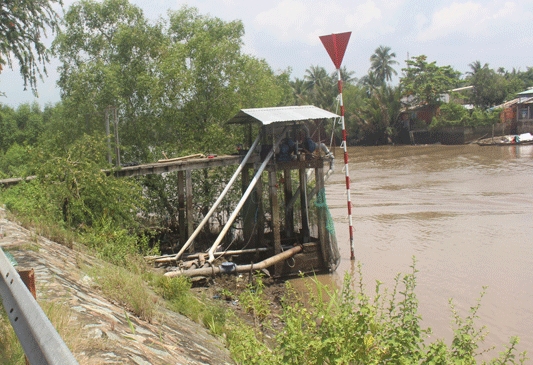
pixel 465 213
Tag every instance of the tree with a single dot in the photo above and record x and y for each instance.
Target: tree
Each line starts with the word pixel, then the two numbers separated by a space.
pixel 174 82
pixel 426 82
pixel 108 53
pixel 489 86
pixel 22 24
pixel 299 91
pixel 320 86
pixel 381 64
pixel 378 113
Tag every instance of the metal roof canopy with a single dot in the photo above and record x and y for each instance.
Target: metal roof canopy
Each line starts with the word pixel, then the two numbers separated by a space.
pixel 284 114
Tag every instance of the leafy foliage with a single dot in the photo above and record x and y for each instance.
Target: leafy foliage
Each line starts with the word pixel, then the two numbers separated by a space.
pixel 452 114
pixel 351 327
pixel 489 86
pixel 174 82
pixel 72 189
pixel 426 82
pixel 22 24
pixel 382 64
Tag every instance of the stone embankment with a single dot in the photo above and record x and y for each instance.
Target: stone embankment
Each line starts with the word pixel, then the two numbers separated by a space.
pixel 105 333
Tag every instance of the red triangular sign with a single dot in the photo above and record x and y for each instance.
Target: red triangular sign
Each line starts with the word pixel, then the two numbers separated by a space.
pixel 336 46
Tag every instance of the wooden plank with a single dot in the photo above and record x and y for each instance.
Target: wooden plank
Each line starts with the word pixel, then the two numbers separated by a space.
pixel 183 158
pixel 194 164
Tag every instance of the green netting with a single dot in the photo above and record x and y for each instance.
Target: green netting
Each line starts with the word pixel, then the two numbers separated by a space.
pixel 321 203
pixel 10 257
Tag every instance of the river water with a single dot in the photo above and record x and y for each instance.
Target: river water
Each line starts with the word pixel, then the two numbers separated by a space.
pixel 465 213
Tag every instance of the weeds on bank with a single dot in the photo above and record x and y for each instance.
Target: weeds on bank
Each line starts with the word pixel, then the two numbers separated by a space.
pixel 179 298
pixel 61 317
pixel 126 288
pixel 351 327
pixel 10 348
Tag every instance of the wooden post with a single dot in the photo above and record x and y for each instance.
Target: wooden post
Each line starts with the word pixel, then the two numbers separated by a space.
pixel 303 203
pixel 181 207
pixel 188 206
pixel 28 277
pixel 289 212
pixel 249 208
pixel 274 210
pixel 260 226
pixel 321 219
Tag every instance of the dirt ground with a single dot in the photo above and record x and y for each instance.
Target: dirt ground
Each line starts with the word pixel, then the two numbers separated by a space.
pixel 226 289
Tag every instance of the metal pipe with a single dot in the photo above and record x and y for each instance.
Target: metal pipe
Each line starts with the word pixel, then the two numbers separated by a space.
pixel 207 271
pixel 172 258
pixel 247 193
pixel 219 200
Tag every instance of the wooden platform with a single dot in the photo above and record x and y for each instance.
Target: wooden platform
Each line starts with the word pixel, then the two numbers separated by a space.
pixel 159 167
pixel 181 165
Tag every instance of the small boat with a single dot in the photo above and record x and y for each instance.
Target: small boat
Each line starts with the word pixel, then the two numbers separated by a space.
pixel 509 140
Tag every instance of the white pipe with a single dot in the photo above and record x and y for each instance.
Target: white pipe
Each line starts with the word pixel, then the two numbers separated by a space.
pixel 248 191
pixel 206 271
pixel 219 200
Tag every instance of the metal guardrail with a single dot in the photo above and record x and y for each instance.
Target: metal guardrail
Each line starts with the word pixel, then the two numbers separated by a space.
pixel 38 337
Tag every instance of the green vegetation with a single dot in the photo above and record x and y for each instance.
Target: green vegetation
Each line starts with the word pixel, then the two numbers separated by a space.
pixel 173 84
pixel 21 26
pixel 453 114
pixel 61 317
pixel 351 327
pixel 127 288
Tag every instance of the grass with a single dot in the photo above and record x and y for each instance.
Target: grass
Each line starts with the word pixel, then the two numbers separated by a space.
pixel 63 320
pixel 126 288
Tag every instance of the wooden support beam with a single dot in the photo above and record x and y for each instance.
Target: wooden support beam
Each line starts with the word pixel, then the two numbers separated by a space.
pixel 248 212
pixel 181 207
pixel 321 220
pixel 274 210
pixel 181 165
pixel 260 230
pixel 188 206
pixel 304 206
pixel 289 209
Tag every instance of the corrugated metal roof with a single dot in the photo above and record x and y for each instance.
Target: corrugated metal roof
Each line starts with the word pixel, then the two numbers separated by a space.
pixel 282 114
pixel 507 104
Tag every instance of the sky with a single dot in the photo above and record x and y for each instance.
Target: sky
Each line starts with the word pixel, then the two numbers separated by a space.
pixel 286 34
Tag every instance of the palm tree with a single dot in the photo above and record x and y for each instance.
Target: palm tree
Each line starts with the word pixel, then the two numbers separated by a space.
pixel 321 87
pixel 381 64
pixel 347 76
pixel 476 67
pixel 316 77
pixel 299 91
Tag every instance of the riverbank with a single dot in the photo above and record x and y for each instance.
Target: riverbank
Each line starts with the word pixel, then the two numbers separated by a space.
pixel 101 331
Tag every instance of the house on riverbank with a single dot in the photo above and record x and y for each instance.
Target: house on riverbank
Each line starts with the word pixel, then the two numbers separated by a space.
pixel 516 117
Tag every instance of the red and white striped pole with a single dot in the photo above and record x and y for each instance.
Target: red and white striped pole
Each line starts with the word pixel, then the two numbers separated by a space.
pixel 336 45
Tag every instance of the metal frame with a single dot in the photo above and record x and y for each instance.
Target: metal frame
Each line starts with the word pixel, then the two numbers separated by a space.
pixel 38 337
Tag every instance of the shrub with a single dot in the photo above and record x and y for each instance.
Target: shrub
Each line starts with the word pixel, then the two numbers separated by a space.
pixel 351 327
